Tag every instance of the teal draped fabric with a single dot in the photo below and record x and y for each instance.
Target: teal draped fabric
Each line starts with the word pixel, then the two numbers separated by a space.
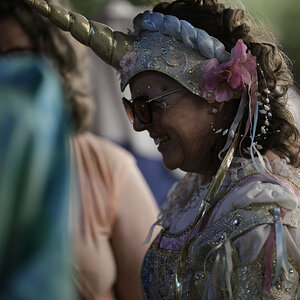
pixel 34 182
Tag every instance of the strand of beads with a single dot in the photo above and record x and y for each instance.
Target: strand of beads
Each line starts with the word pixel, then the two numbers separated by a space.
pixel 217 131
pixel 265 108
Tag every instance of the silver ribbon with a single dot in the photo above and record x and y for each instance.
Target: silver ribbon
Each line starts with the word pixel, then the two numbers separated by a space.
pixel 282 262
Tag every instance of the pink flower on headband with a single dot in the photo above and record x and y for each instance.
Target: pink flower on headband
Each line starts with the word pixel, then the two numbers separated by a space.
pixel 128 61
pixel 222 82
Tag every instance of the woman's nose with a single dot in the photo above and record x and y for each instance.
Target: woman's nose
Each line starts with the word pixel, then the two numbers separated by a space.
pixel 138 125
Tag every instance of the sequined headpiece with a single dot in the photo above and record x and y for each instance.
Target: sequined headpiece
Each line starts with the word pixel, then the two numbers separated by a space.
pixel 157 52
pixel 160 43
pixel 171 46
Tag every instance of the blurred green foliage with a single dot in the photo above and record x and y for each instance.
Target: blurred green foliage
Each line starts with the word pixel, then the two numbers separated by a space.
pixel 282 17
pixel 88 7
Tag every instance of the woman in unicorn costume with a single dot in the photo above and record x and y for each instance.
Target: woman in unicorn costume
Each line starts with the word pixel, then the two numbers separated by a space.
pixel 210 88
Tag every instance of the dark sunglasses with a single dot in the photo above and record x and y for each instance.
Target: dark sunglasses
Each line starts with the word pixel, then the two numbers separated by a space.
pixel 141 107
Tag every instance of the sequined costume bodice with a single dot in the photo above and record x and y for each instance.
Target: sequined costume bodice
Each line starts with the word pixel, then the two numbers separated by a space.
pixel 204 273
pixel 159 268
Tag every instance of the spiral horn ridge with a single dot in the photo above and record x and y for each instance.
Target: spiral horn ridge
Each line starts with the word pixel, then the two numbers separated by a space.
pixel 108 44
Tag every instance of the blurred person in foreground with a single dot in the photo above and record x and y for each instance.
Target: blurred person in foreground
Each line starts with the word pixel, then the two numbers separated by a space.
pixel 111 209
pixel 34 182
pixel 210 87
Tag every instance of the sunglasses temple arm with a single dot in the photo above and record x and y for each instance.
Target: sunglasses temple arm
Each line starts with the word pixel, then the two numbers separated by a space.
pixel 164 95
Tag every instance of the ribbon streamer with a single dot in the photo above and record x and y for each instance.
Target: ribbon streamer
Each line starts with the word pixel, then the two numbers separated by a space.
pixel 223 265
pixel 229 267
pixel 204 207
pixel 282 262
pixel 150 233
pixel 234 125
pixel 252 146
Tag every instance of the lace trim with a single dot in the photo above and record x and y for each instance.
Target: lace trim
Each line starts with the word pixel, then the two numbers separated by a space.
pixel 187 194
pixel 177 234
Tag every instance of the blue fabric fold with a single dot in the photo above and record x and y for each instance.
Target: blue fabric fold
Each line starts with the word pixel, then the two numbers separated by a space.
pixel 282 263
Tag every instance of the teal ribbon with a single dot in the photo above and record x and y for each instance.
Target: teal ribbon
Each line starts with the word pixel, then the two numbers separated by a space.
pixel 281 250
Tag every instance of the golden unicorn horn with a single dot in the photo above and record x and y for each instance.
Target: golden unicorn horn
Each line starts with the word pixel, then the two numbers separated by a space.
pixel 109 45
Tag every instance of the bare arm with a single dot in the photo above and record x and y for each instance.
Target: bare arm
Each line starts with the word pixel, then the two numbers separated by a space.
pixel 137 212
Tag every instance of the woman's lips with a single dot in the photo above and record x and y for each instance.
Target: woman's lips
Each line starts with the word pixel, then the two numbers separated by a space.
pixel 162 142
pixel 161 139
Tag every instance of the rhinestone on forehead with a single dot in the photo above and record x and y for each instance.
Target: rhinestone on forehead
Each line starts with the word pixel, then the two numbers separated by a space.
pixel 164 88
pixel 166 55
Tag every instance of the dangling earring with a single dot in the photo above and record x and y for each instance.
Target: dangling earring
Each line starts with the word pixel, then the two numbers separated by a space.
pixel 217 131
pixel 214 111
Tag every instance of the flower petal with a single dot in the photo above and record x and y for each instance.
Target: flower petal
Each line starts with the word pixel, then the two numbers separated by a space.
pixel 238 52
pixel 250 63
pixel 210 65
pixel 236 77
pixel 224 93
pixel 246 76
pixel 231 77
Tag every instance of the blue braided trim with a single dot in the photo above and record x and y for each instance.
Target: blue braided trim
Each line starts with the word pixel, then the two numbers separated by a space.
pixel 182 30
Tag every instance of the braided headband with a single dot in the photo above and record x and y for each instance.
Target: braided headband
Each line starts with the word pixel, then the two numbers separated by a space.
pixel 189 55
pixel 170 46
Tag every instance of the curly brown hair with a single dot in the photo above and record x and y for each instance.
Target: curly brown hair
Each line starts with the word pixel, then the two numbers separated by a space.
pixel 228 25
pixel 62 50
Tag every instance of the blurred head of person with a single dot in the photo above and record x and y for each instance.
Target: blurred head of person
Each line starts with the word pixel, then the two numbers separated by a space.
pixel 23 30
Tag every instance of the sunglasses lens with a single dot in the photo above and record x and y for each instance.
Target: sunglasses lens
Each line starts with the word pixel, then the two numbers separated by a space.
pixel 142 110
pixel 138 108
pixel 128 109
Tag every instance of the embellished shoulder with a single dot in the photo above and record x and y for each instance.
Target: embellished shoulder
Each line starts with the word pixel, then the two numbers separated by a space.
pixel 215 261
pixel 213 268
pixel 256 192
pixel 184 198
pixel 247 250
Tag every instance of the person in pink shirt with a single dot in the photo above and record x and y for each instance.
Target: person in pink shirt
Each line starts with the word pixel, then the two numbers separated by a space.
pixel 111 207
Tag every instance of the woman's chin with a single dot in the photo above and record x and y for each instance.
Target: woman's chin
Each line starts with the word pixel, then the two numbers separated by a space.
pixel 170 168
pixel 170 164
